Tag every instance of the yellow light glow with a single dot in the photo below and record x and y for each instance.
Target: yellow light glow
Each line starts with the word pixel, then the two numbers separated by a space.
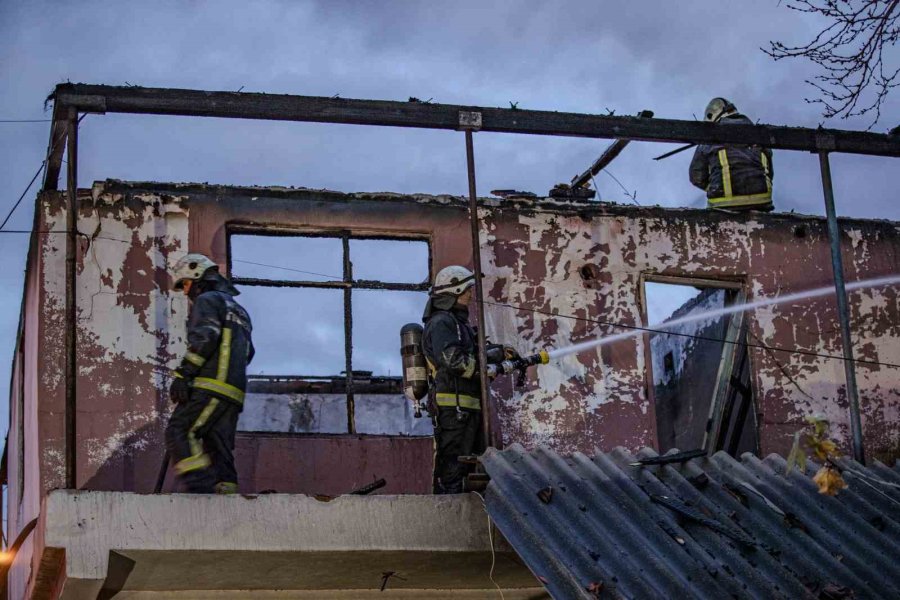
pixel 6 557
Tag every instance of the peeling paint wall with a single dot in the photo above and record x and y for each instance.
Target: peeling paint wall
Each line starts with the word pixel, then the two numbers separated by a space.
pixel 130 333
pixel 599 398
pixel 131 330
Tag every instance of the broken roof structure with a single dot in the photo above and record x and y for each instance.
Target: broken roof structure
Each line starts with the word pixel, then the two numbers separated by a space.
pixel 101 329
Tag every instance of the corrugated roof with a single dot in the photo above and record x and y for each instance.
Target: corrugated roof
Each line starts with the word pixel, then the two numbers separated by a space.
pixel 707 528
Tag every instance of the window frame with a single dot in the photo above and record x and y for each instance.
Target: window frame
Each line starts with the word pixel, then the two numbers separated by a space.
pixel 347 283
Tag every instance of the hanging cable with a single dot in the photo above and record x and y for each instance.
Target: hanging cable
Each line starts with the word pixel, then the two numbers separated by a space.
pixel 38 172
pixel 248 262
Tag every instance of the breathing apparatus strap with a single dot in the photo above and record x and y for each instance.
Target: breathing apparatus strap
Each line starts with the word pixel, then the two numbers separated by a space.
pixel 446 286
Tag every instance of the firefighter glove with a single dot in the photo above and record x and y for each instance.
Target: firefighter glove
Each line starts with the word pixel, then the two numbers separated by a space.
pixel 494 353
pixel 180 390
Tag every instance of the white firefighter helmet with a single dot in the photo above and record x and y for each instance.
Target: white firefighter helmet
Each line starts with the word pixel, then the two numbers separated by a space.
pixel 718 108
pixel 453 280
pixel 191 266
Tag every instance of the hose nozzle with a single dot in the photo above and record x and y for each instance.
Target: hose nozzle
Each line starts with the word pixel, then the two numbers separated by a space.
pixel 519 365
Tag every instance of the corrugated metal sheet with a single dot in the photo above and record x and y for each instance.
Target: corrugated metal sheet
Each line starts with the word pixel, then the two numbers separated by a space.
pixel 709 528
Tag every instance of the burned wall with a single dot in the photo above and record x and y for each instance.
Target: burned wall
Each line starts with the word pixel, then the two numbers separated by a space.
pixel 535 260
pixel 131 332
pixel 539 293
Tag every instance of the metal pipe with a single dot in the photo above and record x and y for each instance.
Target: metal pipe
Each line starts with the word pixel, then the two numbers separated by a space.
pixel 348 334
pixel 70 311
pixel 843 311
pixel 479 294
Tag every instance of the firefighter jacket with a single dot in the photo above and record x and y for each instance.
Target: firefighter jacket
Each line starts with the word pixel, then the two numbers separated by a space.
pixel 450 346
pixel 219 343
pixel 734 176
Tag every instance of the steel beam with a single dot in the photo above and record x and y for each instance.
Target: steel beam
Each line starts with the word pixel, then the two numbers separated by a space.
pixel 279 107
pixel 479 293
pixel 71 335
pixel 837 265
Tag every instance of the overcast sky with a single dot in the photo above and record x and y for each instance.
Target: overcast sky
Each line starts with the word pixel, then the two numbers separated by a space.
pixel 576 56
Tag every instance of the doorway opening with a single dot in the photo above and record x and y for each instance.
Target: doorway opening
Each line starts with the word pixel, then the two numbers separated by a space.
pixel 699 366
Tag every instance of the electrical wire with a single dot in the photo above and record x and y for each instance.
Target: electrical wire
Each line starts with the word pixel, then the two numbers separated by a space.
pixel 248 262
pixel 25 120
pixel 631 195
pixel 38 172
pixel 491 539
pixel 19 201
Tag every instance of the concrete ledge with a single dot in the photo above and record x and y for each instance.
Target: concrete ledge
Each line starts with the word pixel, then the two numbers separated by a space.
pixel 173 543
pixel 488 594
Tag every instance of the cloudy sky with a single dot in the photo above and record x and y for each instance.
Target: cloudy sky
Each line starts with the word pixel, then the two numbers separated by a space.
pixel 586 56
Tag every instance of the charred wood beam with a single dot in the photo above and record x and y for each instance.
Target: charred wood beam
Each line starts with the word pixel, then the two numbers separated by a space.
pixel 668 459
pixel 609 155
pixel 55 147
pixel 359 284
pixel 160 101
pixel 368 489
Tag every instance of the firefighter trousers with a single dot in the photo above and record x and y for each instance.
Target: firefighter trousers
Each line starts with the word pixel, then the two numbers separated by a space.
pixel 200 441
pixel 455 434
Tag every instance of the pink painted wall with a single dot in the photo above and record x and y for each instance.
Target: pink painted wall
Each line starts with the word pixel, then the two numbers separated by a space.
pixel 131 329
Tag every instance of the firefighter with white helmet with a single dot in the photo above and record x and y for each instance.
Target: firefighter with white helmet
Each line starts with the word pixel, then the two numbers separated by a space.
pixel 734 177
pixel 209 385
pixel 450 345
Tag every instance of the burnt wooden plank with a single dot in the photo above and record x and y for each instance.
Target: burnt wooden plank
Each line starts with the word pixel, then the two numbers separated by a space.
pixel 55 147
pixel 609 155
pixel 99 98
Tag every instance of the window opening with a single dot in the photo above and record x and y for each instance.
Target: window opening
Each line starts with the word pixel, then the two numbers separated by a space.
pixel 701 385
pixel 377 260
pixel 286 258
pixel 327 309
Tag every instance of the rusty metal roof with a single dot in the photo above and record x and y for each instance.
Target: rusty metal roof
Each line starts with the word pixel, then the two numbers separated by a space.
pixel 706 528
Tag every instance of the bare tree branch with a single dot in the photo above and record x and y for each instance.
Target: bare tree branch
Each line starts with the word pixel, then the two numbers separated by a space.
pixel 852 52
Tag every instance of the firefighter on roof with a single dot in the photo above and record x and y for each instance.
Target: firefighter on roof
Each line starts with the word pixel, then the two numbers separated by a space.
pixel 734 177
pixel 208 388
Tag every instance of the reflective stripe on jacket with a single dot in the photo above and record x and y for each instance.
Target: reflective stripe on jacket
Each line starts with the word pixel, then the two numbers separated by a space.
pixel 450 347
pixel 734 176
pixel 219 346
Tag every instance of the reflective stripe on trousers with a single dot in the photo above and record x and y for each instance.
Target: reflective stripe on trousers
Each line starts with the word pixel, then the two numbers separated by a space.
pixel 198 459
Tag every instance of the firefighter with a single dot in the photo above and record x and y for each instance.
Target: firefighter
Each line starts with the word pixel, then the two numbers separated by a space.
pixel 734 177
pixel 450 346
pixel 208 388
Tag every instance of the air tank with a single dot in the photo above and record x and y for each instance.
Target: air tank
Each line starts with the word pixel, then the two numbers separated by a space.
pixel 415 374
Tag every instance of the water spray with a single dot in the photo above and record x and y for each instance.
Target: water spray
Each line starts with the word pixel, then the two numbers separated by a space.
pixel 544 356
